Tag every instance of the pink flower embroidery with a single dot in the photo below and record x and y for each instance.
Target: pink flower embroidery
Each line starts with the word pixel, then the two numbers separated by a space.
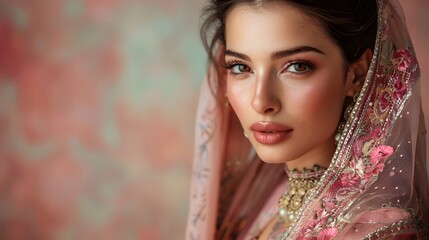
pixel 400 88
pixel 349 180
pixel 382 105
pixel 357 147
pixel 378 157
pixel 380 153
pixel 366 142
pixel 384 100
pixel 403 59
pixel 351 177
pixel 327 234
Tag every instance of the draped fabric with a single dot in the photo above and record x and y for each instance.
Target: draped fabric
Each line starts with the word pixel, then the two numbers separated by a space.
pixel 376 186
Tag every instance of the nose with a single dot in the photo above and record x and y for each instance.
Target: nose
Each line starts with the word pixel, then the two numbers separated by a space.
pixel 265 98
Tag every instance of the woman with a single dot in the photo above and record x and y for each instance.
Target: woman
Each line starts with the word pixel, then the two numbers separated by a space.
pixel 326 91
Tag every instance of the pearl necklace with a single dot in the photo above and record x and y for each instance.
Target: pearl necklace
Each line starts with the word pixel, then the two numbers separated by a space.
pixel 301 184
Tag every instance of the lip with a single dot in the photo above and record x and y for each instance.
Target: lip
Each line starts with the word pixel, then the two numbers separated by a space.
pixel 270 132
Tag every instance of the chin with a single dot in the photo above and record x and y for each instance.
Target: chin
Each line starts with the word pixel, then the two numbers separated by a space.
pixel 272 156
pixel 281 154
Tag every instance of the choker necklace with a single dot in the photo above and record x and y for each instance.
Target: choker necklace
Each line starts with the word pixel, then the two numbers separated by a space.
pixel 301 184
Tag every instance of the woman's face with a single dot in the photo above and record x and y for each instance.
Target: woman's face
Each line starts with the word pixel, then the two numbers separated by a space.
pixel 286 81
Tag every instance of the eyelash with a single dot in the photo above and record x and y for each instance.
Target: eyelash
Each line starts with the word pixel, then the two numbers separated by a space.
pixel 230 64
pixel 308 64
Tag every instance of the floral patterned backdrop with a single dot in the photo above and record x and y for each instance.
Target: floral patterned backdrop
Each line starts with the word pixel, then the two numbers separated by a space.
pixel 97 104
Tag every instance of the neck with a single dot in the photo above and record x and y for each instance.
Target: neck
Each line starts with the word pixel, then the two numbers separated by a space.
pixel 320 155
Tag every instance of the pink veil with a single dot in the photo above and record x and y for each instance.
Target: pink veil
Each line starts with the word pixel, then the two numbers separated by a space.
pixel 376 186
pixel 225 170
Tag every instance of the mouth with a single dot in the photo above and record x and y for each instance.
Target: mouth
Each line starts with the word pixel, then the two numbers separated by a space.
pixel 269 133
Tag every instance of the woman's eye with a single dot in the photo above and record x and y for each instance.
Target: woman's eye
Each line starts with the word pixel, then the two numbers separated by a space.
pixel 298 67
pixel 238 68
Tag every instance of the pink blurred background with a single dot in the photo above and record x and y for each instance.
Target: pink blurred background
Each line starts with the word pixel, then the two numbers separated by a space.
pixel 97 104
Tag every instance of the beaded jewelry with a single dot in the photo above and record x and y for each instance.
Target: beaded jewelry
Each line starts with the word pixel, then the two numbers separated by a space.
pixel 301 183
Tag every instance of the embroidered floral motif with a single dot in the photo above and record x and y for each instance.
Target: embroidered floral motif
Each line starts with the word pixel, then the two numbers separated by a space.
pixel 353 179
pixel 400 88
pixel 384 102
pixel 378 157
pixel 353 174
pixel 403 59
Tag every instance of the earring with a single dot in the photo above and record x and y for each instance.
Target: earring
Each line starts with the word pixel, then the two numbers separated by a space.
pixel 349 109
pixel 347 114
pixel 245 134
pixel 339 132
pixel 226 102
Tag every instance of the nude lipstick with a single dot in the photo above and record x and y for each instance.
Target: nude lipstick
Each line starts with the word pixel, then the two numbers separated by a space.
pixel 270 133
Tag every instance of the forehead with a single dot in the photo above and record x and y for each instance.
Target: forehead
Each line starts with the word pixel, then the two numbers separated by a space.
pixel 274 25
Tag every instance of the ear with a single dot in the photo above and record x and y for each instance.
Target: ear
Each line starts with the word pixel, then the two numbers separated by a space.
pixel 357 72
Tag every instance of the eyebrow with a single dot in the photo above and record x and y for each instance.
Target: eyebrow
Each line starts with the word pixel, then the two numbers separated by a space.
pixel 279 54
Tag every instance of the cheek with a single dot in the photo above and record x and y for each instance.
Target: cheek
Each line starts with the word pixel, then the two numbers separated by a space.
pixel 321 102
pixel 239 95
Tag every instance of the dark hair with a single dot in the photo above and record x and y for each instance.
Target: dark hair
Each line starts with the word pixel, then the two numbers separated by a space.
pixel 351 24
